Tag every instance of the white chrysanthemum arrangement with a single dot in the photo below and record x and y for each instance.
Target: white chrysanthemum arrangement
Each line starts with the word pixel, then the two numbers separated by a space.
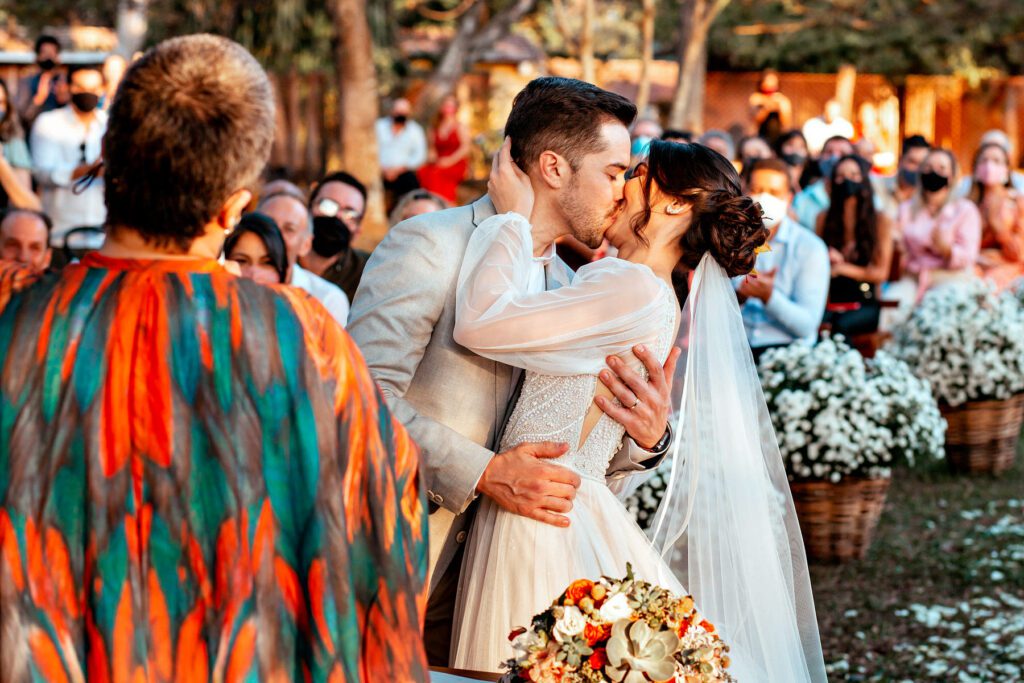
pixel 967 341
pixel 837 415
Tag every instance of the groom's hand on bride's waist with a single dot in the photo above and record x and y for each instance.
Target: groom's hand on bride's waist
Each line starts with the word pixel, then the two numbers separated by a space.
pixel 521 481
pixel 645 403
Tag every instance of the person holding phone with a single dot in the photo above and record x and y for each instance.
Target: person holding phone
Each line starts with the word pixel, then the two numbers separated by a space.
pixel 47 89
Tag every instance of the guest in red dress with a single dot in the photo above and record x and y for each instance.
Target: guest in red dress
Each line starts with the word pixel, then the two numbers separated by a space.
pixel 449 152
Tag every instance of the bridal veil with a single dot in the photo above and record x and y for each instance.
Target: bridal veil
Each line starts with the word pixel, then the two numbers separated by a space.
pixel 727 525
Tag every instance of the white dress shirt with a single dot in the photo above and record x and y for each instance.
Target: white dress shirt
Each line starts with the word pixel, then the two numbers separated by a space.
pixel 407 148
pixel 56 144
pixel 329 294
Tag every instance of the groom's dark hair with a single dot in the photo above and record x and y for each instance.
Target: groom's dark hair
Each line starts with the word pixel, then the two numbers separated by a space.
pixel 565 116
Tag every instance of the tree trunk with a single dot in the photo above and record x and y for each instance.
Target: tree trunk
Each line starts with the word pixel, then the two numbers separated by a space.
pixel 357 110
pixel 453 63
pixel 643 93
pixel 473 35
pixel 695 18
pixel 846 81
pixel 587 43
pixel 132 25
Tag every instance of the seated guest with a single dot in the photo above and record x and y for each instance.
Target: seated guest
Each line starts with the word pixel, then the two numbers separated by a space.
pixel 784 299
pixel 720 141
pixel 15 160
pixel 288 209
pixel 402 146
pixel 791 147
pixel 416 203
pixel 257 247
pixel 66 144
pixel 894 190
pixel 941 233
pixel 449 153
pixel 338 203
pixel 674 135
pixel 814 199
pixel 860 248
pixel 752 148
pixel 25 238
pixel 201 480
pixel 1002 216
pixel 997 137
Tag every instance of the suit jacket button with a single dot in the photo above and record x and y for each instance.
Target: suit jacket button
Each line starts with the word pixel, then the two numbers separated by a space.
pixel 460 537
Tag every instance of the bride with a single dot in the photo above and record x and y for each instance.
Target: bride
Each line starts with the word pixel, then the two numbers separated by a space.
pixel 726 531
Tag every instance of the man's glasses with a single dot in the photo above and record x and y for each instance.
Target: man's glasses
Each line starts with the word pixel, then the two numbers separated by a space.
pixel 329 207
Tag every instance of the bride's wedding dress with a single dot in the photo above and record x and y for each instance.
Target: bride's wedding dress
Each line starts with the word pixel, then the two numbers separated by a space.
pixel 727 526
pixel 514 567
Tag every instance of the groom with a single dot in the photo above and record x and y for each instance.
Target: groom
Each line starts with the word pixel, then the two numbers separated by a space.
pixel 571 138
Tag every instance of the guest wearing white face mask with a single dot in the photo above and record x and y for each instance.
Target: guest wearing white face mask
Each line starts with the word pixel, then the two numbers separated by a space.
pixel 1002 216
pixel 784 301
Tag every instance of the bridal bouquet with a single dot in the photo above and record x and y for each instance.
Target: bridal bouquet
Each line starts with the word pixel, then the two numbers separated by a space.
pixel 967 341
pixel 623 630
pixel 837 415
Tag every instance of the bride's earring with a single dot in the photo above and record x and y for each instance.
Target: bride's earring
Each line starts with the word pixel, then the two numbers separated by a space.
pixel 674 209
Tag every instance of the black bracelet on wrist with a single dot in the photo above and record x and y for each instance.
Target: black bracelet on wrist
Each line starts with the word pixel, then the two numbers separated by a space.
pixel 661 447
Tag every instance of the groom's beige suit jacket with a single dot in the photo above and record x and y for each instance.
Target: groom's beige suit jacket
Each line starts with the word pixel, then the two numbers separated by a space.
pixel 452 401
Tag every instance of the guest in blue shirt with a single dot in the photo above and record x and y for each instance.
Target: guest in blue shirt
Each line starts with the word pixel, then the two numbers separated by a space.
pixel 784 300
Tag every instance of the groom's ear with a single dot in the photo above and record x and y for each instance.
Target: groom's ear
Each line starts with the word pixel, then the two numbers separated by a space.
pixel 553 169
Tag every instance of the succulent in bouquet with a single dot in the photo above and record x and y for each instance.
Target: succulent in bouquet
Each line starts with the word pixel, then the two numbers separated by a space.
pixel 621 630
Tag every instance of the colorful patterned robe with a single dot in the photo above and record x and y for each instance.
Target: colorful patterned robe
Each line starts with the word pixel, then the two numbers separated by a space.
pixel 199 481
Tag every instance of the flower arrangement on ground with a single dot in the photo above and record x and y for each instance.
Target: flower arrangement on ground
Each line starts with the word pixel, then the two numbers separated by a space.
pixel 967 341
pixel 621 630
pixel 838 415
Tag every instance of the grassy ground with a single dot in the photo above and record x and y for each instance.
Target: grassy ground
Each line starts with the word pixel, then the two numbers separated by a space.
pixel 940 596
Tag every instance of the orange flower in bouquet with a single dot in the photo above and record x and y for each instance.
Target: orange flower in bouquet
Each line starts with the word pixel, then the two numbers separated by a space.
pixel 618 629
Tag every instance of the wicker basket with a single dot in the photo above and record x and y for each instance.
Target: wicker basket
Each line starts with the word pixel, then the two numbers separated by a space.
pixel 982 435
pixel 838 521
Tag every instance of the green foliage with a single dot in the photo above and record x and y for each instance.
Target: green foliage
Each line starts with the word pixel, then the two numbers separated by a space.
pixel 891 37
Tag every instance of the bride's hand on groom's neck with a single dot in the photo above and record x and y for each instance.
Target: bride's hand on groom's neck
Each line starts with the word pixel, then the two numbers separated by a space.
pixel 521 481
pixel 645 404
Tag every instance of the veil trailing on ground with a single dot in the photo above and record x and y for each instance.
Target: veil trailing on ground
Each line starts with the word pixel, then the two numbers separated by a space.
pixel 727 525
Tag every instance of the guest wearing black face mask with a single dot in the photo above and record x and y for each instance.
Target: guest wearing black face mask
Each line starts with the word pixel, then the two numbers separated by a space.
pixel 402 146
pixel 337 203
pixel 860 249
pixel 66 144
pixel 941 232
pixel 46 90
pixel 900 187
pixel 791 148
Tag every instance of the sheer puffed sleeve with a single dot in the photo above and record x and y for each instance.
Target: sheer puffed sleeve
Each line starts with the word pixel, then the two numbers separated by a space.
pixel 610 306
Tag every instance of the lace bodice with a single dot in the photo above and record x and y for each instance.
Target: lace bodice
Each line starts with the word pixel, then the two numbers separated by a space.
pixel 554 408
pixel 561 336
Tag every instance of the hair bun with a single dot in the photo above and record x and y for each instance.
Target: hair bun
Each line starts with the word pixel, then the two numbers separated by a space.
pixel 728 226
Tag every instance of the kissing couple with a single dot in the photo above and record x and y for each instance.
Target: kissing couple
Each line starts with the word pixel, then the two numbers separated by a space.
pixel 540 396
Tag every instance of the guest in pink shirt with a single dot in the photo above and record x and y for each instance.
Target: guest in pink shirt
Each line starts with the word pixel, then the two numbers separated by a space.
pixel 941 233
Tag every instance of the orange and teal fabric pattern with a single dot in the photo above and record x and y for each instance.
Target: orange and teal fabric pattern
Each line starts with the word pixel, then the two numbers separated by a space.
pixel 198 481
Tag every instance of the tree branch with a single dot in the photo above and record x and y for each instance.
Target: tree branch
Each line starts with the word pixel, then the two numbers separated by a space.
pixel 445 15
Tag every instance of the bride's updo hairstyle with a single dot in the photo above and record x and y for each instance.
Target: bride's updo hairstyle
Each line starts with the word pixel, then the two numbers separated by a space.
pixel 724 221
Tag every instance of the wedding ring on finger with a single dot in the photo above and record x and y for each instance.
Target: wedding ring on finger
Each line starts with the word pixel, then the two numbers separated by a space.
pixel 635 404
